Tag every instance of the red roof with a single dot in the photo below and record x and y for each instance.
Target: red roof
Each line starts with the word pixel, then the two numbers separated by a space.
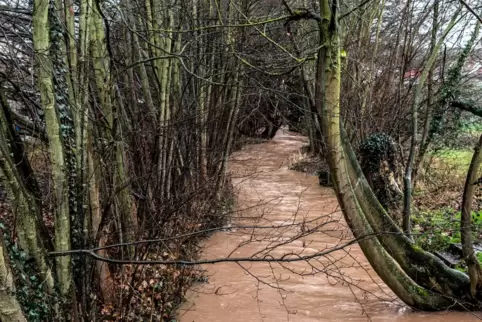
pixel 412 74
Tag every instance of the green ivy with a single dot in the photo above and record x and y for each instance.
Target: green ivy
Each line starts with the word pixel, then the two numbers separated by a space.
pixel 449 91
pixel 36 304
pixel 375 148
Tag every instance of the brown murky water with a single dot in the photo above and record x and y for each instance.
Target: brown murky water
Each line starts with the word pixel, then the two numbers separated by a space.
pixel 340 286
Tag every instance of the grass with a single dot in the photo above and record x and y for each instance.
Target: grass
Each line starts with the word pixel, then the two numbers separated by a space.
pixel 438 197
pixel 452 157
pixel 442 179
pixel 436 230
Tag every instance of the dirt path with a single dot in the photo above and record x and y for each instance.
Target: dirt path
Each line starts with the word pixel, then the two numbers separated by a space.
pixel 338 287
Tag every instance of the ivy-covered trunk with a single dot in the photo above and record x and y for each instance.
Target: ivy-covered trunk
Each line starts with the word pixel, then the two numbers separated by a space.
pixel 49 99
pixel 23 192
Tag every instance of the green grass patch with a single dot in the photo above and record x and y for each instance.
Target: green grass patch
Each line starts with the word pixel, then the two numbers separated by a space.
pixel 458 158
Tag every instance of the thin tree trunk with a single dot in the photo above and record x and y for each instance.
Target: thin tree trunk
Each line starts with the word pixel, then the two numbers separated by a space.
pixel 56 152
pixel 113 129
pixel 407 200
pixel 25 208
pixel 106 283
pixel 475 272
pixel 428 113
pixel 228 139
pixel 235 99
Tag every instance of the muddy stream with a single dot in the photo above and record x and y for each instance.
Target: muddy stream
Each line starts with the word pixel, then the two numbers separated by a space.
pixel 340 286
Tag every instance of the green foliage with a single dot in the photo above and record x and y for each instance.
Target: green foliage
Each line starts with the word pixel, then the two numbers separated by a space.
pixel 436 230
pixel 479 257
pixel 457 158
pixel 470 125
pixel 35 303
pixel 449 91
pixel 375 148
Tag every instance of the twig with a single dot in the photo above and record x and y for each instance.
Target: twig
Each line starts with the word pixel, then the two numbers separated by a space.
pixel 471 10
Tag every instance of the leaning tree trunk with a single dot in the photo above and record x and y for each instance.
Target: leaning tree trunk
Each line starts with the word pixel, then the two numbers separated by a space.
pixel 10 309
pixel 420 279
pixel 25 206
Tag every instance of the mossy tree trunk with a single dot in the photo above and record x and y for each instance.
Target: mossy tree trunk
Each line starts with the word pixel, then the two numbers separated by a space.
pixel 418 278
pixel 15 169
pixel 42 45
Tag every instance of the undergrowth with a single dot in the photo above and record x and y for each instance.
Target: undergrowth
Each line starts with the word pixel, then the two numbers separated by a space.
pixel 139 292
pixel 154 292
pixel 305 161
pixel 436 230
pixel 36 304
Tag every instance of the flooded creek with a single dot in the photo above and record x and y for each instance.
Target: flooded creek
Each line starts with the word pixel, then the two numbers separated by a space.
pixel 305 220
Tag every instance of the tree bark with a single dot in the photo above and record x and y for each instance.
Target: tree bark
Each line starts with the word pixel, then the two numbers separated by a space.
pixel 25 206
pixel 430 102
pixel 56 152
pixel 475 272
pixel 420 279
pixel 10 310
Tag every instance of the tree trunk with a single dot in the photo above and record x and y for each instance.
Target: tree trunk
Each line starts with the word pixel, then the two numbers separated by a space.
pixel 407 180
pixel 56 152
pixel 475 272
pixel 430 102
pixel 420 279
pixel 112 118
pixel 10 310
pixel 25 206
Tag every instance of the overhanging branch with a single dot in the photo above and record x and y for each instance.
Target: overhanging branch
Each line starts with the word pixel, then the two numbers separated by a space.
pixel 286 258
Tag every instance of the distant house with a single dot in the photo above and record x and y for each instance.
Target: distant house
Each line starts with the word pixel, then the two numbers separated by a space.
pixel 472 71
pixel 412 74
